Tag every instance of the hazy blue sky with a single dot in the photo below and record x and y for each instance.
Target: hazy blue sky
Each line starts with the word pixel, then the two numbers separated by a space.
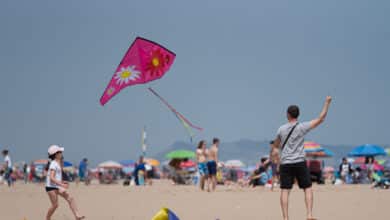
pixel 239 65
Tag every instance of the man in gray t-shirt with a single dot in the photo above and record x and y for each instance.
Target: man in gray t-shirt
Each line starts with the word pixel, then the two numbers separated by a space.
pixel 293 151
pixel 290 139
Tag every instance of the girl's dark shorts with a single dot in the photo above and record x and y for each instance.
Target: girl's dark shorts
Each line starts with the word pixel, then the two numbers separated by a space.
pixel 48 189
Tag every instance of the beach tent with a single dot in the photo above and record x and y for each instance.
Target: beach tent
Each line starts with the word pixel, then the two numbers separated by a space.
pixel 234 164
pixel 367 150
pixel 180 154
pixel 110 165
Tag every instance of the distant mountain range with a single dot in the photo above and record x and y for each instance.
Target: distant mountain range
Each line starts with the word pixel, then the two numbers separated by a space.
pixel 250 151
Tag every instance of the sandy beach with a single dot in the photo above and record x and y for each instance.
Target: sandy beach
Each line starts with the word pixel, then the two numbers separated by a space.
pixel 115 202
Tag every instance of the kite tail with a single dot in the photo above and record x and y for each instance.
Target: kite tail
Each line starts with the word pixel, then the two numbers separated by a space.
pixel 186 123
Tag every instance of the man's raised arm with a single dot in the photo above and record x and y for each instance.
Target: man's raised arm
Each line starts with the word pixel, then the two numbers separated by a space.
pixel 314 123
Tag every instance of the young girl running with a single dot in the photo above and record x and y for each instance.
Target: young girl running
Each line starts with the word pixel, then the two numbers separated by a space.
pixel 55 186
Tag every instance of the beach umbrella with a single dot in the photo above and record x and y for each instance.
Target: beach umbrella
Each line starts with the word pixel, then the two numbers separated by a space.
pixel 234 164
pixel 152 162
pixel 180 154
pixel 127 163
pixel 311 146
pixel 40 162
pixel 324 153
pixel 187 164
pixel 67 164
pixel 110 165
pixel 367 150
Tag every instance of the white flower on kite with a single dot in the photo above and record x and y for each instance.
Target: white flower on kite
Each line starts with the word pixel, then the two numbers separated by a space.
pixel 125 75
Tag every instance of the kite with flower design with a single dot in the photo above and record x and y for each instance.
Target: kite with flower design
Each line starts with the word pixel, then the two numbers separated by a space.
pixel 143 62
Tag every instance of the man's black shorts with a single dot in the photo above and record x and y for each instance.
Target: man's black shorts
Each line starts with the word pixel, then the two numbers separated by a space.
pixel 290 172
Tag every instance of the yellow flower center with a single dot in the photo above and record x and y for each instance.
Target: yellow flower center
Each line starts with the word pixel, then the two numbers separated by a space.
pixel 155 62
pixel 125 74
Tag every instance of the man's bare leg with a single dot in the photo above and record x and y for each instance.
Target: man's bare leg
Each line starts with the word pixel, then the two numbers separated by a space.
pixel 309 202
pixel 284 202
pixel 214 182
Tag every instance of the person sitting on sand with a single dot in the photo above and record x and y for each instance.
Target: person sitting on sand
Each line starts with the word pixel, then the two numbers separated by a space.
pixel 55 186
pixel 260 176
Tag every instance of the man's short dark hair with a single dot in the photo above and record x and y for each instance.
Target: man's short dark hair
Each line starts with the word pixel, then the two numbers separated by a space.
pixel 215 140
pixel 293 111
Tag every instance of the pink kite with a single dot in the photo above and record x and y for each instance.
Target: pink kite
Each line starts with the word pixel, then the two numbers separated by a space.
pixel 143 62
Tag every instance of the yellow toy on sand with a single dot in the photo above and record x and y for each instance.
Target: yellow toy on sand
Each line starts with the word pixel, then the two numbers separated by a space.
pixel 165 214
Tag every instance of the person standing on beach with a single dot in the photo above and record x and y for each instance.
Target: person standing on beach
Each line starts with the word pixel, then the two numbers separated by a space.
pixel 140 172
pixel 212 163
pixel 345 169
pixel 7 167
pixel 290 139
pixel 201 157
pixel 25 173
pixel 55 186
pixel 83 170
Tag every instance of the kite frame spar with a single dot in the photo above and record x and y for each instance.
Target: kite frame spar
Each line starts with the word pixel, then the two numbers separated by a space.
pixel 186 123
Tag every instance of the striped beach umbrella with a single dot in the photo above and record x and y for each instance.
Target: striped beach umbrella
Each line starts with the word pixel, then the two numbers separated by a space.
pixel 323 153
pixel 311 146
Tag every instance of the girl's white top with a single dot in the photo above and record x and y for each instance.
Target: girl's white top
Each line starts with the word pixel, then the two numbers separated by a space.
pixel 58 174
